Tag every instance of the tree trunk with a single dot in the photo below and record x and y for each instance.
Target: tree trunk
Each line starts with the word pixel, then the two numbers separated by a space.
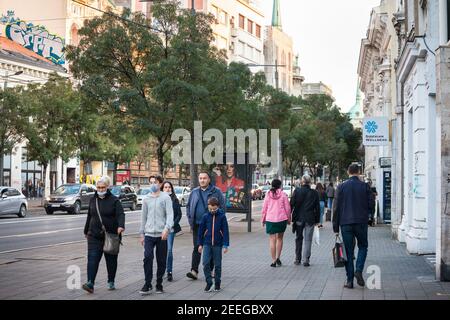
pixel 115 173
pixel 160 158
pixel 46 174
pixel 2 182
pixel 192 166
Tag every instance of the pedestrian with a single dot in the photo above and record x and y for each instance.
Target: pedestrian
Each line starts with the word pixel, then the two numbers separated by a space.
pixel 113 219
pixel 276 215
pixel 30 189
pixel 156 224
pixel 305 215
pixel 213 236
pixel 167 187
pixel 330 195
pixel 196 207
pixel 322 201
pixel 351 208
pixel 373 203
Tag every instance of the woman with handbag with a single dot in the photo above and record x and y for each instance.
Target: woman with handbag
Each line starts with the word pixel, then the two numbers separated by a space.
pixel 167 187
pixel 103 230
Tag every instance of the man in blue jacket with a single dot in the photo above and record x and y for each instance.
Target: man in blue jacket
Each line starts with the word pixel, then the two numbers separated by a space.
pixel 351 209
pixel 196 207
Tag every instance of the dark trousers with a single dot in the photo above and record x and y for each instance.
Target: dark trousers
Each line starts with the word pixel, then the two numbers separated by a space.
pixel 303 231
pixel 197 256
pixel 214 254
pixel 349 233
pixel 150 243
pixel 95 252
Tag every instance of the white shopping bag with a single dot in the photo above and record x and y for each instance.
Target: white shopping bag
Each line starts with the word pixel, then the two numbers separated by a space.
pixel 316 235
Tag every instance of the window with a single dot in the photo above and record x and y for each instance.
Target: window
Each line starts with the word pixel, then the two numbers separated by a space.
pixel 223 18
pixel 250 26
pixel 258 31
pixel 222 43
pixel 241 48
pixel 13 192
pixel 249 52
pixel 215 12
pixel 257 55
pixel 241 21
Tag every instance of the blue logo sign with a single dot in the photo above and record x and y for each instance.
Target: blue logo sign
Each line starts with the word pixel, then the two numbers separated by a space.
pixel 371 127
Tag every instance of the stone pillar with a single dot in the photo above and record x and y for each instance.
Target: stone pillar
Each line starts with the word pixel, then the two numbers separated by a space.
pixel 443 113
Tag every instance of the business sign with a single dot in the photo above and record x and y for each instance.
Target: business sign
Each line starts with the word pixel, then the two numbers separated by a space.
pixel 375 131
pixel 385 162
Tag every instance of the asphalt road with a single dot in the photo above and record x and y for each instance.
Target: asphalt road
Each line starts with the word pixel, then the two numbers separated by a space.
pixel 40 231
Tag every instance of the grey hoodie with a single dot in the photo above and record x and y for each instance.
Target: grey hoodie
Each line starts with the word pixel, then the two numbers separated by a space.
pixel 157 215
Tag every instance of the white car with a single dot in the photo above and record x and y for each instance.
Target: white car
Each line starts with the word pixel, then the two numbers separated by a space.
pixel 12 201
pixel 141 194
pixel 288 190
pixel 182 194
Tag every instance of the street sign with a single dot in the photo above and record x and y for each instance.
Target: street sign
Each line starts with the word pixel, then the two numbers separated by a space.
pixel 375 131
pixel 385 162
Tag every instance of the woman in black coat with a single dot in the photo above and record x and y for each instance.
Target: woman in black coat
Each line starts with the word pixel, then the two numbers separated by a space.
pixel 168 188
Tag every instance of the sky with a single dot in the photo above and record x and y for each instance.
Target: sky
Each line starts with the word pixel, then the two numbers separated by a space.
pixel 327 36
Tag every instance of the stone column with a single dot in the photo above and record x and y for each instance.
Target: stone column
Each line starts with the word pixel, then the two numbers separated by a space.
pixel 443 113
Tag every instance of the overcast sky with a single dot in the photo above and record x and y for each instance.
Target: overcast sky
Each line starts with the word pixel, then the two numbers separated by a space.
pixel 327 36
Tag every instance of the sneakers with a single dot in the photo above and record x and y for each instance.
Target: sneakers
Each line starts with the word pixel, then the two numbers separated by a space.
pixel 297 262
pixel 273 265
pixel 359 278
pixel 89 287
pixel 192 275
pixel 306 264
pixel 146 289
pixel 159 289
pixel 111 286
pixel 209 287
pixel 169 276
pixel 217 287
pixel 348 285
pixel 278 262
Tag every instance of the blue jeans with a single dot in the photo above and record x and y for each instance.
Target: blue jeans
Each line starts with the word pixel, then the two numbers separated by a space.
pixel 322 211
pixel 330 203
pixel 349 233
pixel 212 253
pixel 170 240
pixel 95 253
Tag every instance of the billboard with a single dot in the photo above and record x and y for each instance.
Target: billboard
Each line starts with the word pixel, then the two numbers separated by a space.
pixel 375 131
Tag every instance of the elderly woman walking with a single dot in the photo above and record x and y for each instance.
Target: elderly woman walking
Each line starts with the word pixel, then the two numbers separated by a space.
pixel 105 213
pixel 276 215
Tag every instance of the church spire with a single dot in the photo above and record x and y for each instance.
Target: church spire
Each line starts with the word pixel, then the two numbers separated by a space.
pixel 276 14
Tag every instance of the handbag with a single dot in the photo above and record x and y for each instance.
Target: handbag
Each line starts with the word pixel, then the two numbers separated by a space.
pixel 112 241
pixel 339 254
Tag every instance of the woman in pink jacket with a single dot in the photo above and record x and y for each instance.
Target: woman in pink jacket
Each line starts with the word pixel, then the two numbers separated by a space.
pixel 276 215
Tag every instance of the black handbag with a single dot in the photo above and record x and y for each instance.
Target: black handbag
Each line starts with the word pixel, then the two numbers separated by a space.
pixel 112 240
pixel 339 254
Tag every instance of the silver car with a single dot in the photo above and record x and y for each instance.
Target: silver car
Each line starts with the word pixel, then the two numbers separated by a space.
pixel 12 201
pixel 182 194
pixel 141 194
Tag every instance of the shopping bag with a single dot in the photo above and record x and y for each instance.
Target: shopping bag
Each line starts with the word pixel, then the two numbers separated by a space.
pixel 339 254
pixel 316 235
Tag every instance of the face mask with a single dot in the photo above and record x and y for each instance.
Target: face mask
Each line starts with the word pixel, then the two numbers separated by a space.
pixel 101 194
pixel 154 188
pixel 213 211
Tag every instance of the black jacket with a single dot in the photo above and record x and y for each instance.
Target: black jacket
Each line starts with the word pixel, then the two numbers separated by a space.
pixel 306 205
pixel 353 202
pixel 112 214
pixel 176 214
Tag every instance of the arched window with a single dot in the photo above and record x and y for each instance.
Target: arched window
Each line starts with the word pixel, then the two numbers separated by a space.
pixel 74 35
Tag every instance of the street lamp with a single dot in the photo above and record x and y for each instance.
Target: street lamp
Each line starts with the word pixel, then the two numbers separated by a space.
pixel 7 75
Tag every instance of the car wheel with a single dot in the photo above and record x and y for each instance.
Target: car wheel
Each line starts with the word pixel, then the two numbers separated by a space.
pixel 133 206
pixel 22 212
pixel 49 211
pixel 76 208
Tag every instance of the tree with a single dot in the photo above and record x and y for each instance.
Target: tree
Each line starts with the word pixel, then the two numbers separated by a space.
pixel 12 123
pixel 51 108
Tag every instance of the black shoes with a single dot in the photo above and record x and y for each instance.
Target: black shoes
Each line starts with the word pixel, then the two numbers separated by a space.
pixel 159 289
pixel 306 264
pixel 359 278
pixel 208 287
pixel 217 287
pixel 192 275
pixel 348 285
pixel 146 289
pixel 273 265
pixel 89 287
pixel 169 276
pixel 297 262
pixel 278 262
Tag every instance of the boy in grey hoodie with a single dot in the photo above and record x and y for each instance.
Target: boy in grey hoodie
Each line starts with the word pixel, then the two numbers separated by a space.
pixel 156 223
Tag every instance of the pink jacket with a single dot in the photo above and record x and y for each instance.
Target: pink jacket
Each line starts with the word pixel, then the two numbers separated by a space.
pixel 276 208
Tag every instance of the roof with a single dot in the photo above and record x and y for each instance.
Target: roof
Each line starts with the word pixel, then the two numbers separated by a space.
pixel 276 14
pixel 14 51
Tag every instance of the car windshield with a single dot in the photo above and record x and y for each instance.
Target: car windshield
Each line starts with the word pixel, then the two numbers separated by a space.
pixel 115 190
pixel 143 192
pixel 266 187
pixel 67 189
pixel 287 188
pixel 178 190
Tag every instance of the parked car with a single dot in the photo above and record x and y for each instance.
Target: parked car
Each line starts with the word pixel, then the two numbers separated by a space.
pixel 182 194
pixel 264 190
pixel 141 194
pixel 256 192
pixel 288 190
pixel 126 195
pixel 12 201
pixel 70 197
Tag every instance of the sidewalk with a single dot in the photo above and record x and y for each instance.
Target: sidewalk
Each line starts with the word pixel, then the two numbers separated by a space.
pixel 41 273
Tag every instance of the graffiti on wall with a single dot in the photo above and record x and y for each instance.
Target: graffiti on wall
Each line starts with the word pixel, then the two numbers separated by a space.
pixel 34 37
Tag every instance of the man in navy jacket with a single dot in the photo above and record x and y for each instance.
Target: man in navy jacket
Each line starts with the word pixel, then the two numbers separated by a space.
pixel 351 209
pixel 195 209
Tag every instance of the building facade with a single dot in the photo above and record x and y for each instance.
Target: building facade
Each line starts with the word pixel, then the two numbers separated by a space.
pixel 309 88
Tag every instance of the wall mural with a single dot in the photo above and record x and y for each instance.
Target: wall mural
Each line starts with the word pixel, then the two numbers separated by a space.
pixel 33 37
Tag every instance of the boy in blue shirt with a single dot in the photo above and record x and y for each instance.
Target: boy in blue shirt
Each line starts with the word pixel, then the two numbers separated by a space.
pixel 213 236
